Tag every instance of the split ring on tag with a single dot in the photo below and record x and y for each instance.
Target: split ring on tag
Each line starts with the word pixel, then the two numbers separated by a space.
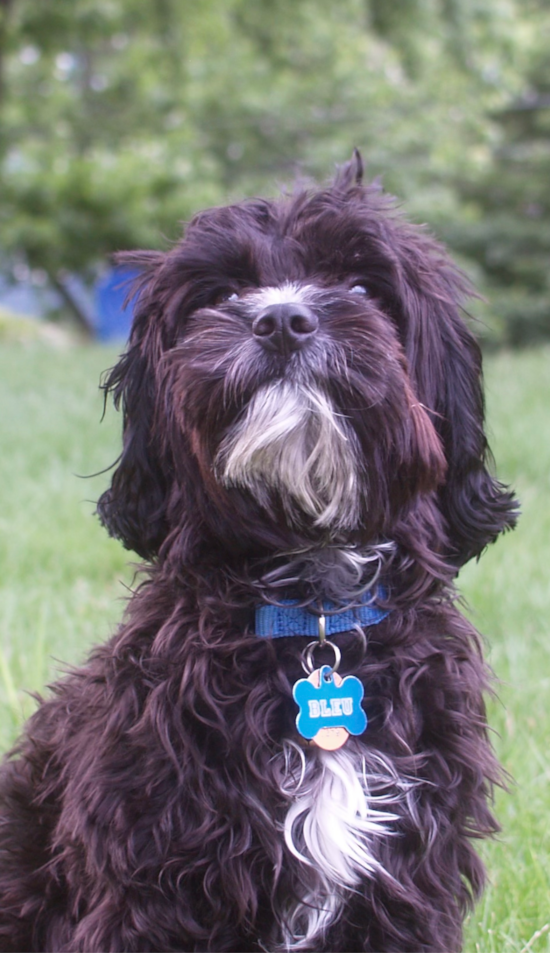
pixel 307 655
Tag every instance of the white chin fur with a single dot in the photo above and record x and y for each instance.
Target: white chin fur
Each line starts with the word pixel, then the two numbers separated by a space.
pixel 291 440
pixel 340 807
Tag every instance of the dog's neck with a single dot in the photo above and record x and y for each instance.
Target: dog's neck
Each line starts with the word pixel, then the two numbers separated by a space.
pixel 336 573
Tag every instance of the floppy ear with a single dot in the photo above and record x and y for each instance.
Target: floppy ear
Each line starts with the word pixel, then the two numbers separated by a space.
pixel 445 367
pixel 133 509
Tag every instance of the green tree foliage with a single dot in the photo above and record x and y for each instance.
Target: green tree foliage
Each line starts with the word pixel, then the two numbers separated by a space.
pixel 507 230
pixel 119 119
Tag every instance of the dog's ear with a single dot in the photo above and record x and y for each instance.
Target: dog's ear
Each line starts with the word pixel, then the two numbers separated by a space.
pixel 133 509
pixel 350 174
pixel 445 367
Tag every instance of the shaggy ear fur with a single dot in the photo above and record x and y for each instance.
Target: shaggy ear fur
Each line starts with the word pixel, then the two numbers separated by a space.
pixel 424 295
pixel 445 367
pixel 133 509
pixel 350 174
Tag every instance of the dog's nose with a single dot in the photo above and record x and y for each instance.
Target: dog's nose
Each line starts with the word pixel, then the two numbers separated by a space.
pixel 285 327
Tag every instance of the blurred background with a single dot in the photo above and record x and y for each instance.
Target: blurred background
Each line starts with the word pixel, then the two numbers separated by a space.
pixel 119 119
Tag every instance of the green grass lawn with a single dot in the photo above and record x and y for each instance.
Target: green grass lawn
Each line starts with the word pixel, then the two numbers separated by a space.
pixel 59 572
pixel 62 587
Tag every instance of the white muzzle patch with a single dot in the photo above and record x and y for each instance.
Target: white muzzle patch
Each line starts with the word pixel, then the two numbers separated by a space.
pixel 290 439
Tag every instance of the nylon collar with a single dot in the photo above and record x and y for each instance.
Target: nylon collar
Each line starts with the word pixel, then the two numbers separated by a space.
pixel 289 618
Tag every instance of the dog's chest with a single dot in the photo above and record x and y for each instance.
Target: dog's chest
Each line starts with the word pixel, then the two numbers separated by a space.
pixel 341 805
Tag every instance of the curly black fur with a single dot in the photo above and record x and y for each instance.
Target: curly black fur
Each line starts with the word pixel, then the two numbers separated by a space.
pixel 143 809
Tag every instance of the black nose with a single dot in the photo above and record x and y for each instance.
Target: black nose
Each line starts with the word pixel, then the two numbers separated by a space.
pixel 285 327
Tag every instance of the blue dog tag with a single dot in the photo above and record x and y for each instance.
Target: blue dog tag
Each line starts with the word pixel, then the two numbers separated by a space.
pixel 328 701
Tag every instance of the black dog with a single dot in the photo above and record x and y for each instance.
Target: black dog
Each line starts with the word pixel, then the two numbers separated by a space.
pixel 304 469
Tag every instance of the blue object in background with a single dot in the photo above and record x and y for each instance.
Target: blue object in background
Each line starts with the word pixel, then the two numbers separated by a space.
pixel 112 320
pixel 22 297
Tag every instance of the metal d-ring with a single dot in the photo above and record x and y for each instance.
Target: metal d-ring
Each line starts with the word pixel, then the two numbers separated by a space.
pixel 322 624
pixel 307 655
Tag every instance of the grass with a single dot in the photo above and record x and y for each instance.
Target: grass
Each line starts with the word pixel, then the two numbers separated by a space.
pixel 59 572
pixel 509 595
pixel 62 588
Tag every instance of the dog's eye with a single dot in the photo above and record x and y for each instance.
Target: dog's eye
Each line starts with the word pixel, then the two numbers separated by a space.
pixel 222 297
pixel 358 290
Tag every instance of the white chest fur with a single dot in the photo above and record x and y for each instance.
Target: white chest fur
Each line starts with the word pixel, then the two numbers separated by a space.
pixel 341 803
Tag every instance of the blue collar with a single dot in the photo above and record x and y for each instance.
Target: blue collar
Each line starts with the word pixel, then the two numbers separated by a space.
pixel 290 618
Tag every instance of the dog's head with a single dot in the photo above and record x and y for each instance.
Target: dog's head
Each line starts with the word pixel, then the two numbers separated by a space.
pixel 299 372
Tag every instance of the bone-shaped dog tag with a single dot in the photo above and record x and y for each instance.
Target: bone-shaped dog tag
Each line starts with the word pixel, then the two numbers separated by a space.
pixel 330 708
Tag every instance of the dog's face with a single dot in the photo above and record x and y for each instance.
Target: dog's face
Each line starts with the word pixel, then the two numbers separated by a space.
pixel 298 373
